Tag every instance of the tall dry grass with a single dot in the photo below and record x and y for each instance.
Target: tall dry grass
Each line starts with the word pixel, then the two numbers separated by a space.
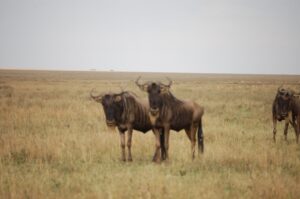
pixel 54 142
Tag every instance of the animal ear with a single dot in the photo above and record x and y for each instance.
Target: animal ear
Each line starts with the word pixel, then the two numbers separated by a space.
pixel 143 87
pixel 97 98
pixel 117 98
pixel 164 89
pixel 289 94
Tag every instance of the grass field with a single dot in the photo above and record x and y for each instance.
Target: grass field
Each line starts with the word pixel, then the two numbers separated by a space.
pixel 54 142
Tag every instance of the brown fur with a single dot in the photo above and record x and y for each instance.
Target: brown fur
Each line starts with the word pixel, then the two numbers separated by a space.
pixel 169 113
pixel 290 103
pixel 178 115
pixel 133 117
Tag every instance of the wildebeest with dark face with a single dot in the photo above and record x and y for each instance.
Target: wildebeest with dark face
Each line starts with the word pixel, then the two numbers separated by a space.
pixel 286 106
pixel 169 113
pixel 125 111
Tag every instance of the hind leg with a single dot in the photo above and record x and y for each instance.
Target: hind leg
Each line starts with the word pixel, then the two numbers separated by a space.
pixel 122 139
pixel 191 133
pixel 297 133
pixel 200 138
pixel 188 133
pixel 129 138
pixel 297 129
pixel 274 128
pixel 193 140
pixel 286 127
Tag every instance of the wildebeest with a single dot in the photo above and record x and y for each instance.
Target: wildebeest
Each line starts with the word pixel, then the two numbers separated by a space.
pixel 126 112
pixel 169 113
pixel 286 106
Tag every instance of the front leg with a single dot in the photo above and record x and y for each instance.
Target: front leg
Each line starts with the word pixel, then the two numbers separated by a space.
pixel 162 143
pixel 157 155
pixel 286 127
pixel 297 132
pixel 122 139
pixel 297 128
pixel 166 144
pixel 129 144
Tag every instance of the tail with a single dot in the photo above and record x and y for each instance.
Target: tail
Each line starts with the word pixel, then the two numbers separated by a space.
pixel 200 137
pixel 162 144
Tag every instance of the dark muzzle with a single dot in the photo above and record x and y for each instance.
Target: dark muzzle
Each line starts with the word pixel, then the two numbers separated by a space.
pixel 110 122
pixel 154 111
pixel 281 117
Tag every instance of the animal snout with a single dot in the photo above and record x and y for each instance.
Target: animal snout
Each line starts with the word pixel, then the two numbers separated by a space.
pixel 154 111
pixel 284 114
pixel 110 122
pixel 281 117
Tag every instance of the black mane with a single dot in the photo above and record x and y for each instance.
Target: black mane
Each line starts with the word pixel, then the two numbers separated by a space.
pixel 134 112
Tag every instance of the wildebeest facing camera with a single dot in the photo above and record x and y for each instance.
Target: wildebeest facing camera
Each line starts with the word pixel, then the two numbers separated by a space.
pixel 146 140
pixel 127 112
pixel 286 106
pixel 170 113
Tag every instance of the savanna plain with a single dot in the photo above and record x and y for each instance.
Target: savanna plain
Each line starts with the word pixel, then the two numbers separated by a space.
pixel 54 142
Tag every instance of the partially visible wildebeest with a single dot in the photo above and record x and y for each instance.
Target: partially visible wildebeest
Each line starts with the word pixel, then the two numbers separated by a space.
pixel 126 112
pixel 169 113
pixel 286 106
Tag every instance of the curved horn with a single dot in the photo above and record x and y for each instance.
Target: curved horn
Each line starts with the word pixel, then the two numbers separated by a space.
pixel 169 84
pixel 137 81
pixel 280 88
pixel 291 92
pixel 143 87
pixel 95 97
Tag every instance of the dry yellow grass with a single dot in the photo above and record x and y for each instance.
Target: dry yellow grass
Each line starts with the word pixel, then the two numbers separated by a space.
pixel 54 142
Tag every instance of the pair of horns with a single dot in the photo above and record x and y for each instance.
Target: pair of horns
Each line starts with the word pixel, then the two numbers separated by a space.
pixel 142 86
pixel 283 91
pixel 147 83
pixel 99 97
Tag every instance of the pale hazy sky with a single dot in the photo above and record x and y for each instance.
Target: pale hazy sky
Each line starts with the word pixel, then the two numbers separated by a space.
pixel 204 36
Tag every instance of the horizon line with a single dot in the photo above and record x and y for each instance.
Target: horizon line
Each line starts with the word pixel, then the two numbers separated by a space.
pixel 129 71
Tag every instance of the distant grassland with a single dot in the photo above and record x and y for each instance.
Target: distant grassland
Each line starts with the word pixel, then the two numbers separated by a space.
pixel 54 142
